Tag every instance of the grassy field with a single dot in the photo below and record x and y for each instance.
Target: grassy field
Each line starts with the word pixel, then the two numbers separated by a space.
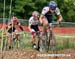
pixel 65 45
pixel 64 41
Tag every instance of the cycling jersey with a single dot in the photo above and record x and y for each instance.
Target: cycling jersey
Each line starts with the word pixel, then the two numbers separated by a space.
pixel 47 14
pixel 33 23
pixel 12 29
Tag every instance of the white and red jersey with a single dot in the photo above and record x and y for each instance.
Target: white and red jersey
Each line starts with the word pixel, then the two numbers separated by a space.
pixel 32 21
pixel 33 24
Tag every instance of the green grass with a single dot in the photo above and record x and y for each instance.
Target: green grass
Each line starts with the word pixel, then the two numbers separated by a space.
pixel 62 42
pixel 65 43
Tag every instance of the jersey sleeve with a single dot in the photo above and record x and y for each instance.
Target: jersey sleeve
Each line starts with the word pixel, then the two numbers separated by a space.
pixel 30 21
pixel 57 11
pixel 45 10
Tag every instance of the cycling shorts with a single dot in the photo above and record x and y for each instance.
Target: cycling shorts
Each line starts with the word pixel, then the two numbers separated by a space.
pixel 34 29
pixel 12 29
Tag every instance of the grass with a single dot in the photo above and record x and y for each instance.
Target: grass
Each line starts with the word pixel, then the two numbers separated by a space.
pixel 62 42
pixel 65 43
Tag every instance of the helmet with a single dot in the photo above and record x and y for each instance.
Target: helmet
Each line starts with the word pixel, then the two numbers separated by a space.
pixel 35 13
pixel 52 5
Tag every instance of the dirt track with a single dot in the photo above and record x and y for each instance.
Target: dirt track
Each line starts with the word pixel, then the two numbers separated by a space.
pixel 32 54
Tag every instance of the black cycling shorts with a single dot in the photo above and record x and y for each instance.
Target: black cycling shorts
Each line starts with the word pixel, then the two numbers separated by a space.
pixel 12 29
pixel 35 27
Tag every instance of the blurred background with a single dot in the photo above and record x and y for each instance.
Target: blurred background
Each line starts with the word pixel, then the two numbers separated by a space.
pixel 23 8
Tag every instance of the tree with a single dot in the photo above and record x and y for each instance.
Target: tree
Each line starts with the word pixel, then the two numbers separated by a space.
pixel 24 8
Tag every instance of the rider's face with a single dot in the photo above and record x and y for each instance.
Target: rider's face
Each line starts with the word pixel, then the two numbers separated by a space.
pixel 52 11
pixel 36 17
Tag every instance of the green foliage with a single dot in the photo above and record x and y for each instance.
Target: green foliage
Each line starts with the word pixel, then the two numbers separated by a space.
pixel 24 8
pixel 68 10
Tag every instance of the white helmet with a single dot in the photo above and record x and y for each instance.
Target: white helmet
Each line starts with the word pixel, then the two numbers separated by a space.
pixel 35 13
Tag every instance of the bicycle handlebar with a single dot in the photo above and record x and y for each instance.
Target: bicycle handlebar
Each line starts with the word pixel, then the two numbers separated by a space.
pixel 55 23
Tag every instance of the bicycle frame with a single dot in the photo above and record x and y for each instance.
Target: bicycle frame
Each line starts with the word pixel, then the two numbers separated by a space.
pixel 50 39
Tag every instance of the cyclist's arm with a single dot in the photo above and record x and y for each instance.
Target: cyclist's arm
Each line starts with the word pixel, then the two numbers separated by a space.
pixel 20 26
pixel 9 25
pixel 59 18
pixel 29 26
pixel 41 18
pixel 44 11
pixel 57 11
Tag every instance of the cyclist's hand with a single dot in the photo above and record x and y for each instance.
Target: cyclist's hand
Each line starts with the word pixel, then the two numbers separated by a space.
pixel 58 22
pixel 40 23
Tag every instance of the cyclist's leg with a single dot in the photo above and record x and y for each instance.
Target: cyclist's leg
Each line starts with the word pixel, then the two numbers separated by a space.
pixel 43 41
pixel 45 23
pixel 33 37
pixel 33 41
pixel 16 34
pixel 9 37
pixel 51 28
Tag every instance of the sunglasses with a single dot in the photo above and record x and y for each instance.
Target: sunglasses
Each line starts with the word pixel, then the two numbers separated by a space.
pixel 52 9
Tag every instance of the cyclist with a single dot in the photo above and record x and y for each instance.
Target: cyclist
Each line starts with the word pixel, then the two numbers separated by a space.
pixel 46 16
pixel 15 21
pixel 11 29
pixel 33 27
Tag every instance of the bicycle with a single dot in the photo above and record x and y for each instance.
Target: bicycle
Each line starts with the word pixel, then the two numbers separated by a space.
pixel 51 41
pixel 47 40
pixel 19 44
pixel 14 42
pixel 36 47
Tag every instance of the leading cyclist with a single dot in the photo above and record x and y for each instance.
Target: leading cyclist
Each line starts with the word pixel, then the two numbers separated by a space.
pixel 47 14
pixel 46 18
